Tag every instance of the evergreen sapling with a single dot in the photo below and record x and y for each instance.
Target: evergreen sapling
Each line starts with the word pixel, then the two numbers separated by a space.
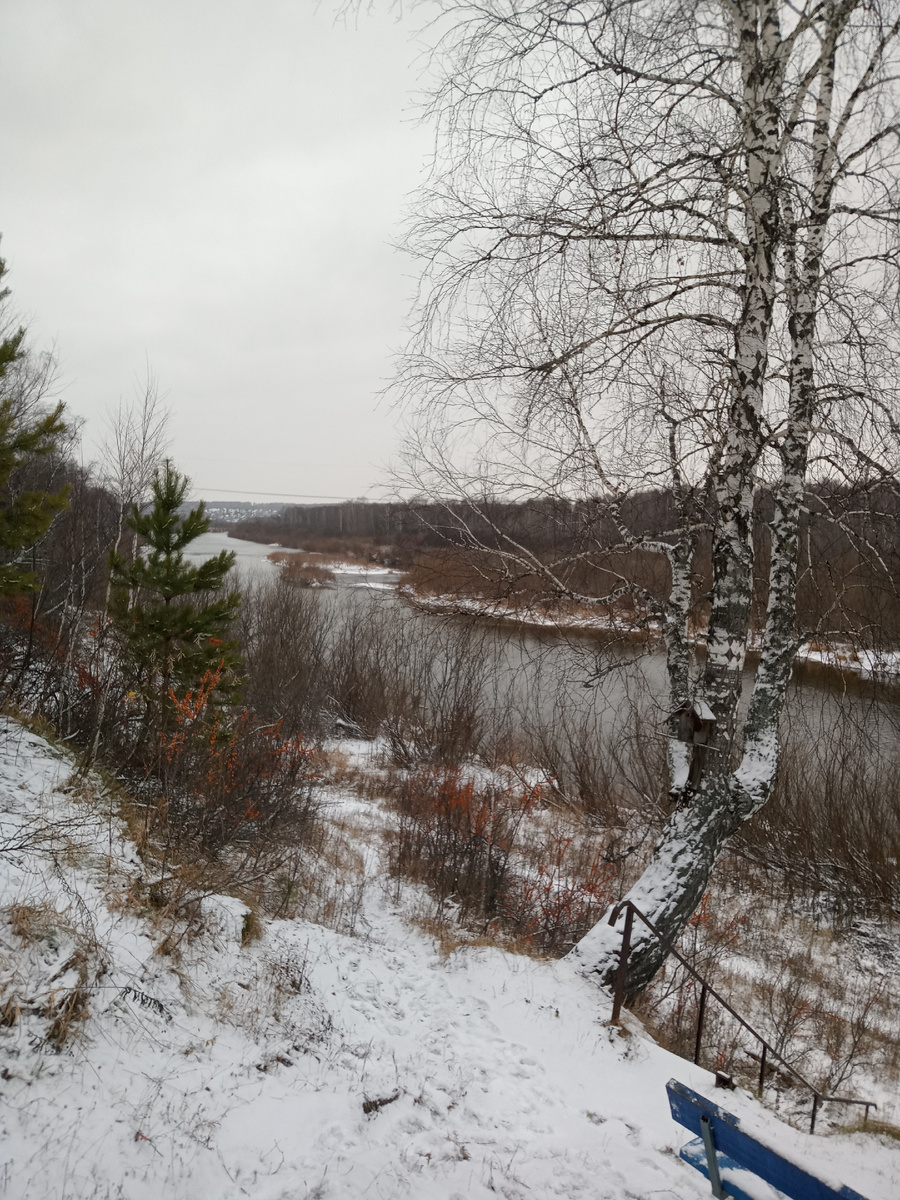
pixel 173 631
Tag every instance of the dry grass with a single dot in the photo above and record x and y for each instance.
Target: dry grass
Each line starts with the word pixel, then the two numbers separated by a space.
pixel 450 937
pixel 68 1010
pixel 326 887
pixel 10 1012
pixel 59 1000
pixel 477 574
pixel 304 570
pixel 34 722
pixel 875 1128
pixel 300 560
pixel 33 923
pixel 252 928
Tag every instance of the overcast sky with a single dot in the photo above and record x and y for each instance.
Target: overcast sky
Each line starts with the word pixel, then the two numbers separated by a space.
pixel 213 186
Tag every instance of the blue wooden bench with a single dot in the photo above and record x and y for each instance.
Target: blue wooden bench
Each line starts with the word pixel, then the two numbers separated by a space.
pixel 734 1162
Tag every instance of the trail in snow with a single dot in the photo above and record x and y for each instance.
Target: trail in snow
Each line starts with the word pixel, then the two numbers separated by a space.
pixel 312 1064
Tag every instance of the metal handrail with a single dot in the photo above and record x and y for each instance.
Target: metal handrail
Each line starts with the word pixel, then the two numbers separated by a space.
pixel 706 989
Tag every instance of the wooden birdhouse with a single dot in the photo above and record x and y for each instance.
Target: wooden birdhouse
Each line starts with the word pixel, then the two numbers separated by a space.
pixel 696 725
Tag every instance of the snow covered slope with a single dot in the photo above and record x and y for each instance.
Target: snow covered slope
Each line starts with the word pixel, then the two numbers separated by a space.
pixel 308 1063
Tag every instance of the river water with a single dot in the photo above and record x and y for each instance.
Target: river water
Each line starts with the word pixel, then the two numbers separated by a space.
pixel 612 684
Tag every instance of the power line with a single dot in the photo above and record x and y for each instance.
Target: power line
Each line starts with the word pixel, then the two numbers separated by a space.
pixel 278 495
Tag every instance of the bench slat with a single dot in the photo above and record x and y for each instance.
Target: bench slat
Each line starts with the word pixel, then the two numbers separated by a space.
pixel 745 1152
pixel 737 1180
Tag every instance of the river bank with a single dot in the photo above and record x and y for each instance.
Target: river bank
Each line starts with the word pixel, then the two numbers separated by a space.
pixel 840 656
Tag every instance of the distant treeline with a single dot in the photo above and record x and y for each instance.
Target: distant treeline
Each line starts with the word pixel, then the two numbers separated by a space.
pixel 540 523
pixel 849 559
pixel 838 520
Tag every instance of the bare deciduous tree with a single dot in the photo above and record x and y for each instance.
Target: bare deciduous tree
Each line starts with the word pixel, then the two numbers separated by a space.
pixel 135 451
pixel 660 250
pixel 136 448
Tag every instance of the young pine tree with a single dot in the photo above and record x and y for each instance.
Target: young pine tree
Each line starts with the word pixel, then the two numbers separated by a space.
pixel 173 636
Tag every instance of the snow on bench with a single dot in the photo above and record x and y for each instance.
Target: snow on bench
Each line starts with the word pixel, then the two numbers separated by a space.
pixel 737 1164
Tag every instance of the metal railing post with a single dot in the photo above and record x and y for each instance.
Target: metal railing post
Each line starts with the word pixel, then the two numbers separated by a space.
pixel 700 1015
pixel 622 970
pixel 619 992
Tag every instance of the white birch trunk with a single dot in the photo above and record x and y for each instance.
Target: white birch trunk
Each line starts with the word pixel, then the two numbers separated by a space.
pixel 678 874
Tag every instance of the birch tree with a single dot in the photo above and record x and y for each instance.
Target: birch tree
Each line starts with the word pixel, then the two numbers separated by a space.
pixel 659 249
pixel 134 453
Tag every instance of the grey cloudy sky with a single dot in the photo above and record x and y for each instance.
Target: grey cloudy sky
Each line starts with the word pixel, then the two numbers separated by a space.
pixel 213 186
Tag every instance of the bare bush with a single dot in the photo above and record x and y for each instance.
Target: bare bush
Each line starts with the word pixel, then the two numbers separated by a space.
pixel 54 983
pixel 303 570
pixel 285 635
pixel 487 867
pixel 606 755
pixel 231 783
pixel 424 685
pixel 853 1042
pixel 822 1010
pixel 458 839
pixel 671 1004
pixel 442 692
pixel 831 833
pixel 554 904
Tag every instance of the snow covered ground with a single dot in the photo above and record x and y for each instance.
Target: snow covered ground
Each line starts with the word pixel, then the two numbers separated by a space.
pixel 347 568
pixel 308 1063
pixel 869 664
pixel 523 615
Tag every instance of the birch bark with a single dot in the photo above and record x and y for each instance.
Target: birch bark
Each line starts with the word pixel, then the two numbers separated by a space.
pixel 690 218
pixel 678 875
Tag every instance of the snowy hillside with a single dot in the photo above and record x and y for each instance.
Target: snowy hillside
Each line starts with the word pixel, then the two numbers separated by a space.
pixel 145 1059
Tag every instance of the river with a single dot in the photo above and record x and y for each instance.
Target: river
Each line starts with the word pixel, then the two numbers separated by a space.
pixel 538 670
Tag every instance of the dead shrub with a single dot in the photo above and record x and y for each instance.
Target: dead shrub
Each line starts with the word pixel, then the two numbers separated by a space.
pixel 830 834
pixel 424 685
pixel 303 570
pixel 670 1006
pixel 10 1012
pixel 67 1012
pixel 251 928
pixel 850 1038
pixel 828 1024
pixel 286 635
pixel 225 803
pixel 468 845
pixel 301 576
pixel 233 783
pixel 552 908
pixel 457 838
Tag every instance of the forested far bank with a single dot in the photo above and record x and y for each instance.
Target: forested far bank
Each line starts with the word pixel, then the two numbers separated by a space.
pixel 848 588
